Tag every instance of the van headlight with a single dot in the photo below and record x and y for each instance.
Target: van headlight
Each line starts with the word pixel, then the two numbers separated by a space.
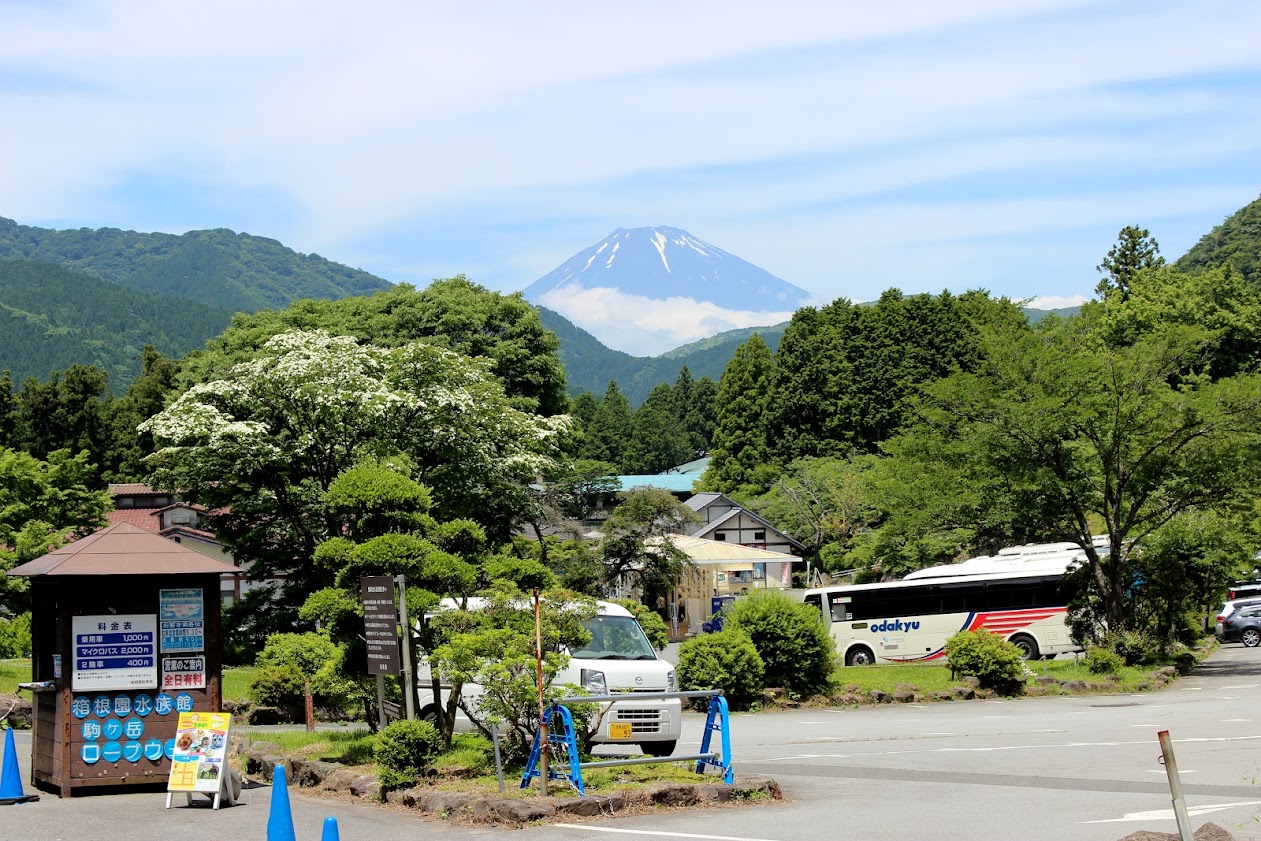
pixel 593 681
pixel 670 681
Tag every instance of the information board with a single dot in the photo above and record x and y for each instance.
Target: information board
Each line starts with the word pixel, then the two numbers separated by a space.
pixel 201 749
pixel 380 625
pixel 183 622
pixel 115 652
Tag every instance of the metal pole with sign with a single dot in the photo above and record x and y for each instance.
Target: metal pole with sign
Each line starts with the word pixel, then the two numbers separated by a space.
pixel 409 679
pixel 380 632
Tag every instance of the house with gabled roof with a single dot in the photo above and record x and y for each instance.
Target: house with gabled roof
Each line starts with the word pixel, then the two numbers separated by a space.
pixel 165 514
pixel 723 519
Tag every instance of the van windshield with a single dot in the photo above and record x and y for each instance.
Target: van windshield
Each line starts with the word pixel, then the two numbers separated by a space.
pixel 615 638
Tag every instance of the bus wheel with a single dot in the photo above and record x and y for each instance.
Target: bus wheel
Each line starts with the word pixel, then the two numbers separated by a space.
pixel 1028 647
pixel 859 655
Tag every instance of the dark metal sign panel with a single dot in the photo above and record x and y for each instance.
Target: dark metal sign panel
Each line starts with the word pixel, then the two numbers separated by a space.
pixel 380 625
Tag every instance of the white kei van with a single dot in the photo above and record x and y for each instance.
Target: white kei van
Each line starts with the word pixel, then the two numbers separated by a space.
pixel 619 659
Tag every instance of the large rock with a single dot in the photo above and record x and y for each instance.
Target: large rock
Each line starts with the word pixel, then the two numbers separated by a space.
pixel 311 772
pixel 366 785
pixel 748 786
pixel 513 809
pixel 267 715
pixel 264 766
pixel 1208 832
pixel 19 716
pixel 589 807
pixel 340 780
pixel 672 794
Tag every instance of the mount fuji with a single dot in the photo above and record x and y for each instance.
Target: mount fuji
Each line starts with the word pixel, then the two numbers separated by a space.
pixel 648 290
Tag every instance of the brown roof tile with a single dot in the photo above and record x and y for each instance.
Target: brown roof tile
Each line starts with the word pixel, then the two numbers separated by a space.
pixel 122 549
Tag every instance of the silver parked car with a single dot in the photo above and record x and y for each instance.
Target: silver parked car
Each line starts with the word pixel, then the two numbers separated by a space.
pixel 1230 609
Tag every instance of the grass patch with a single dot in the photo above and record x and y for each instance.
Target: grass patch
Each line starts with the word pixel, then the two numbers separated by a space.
pixel 13 672
pixel 1065 670
pixel 351 747
pixel 236 682
pixel 927 678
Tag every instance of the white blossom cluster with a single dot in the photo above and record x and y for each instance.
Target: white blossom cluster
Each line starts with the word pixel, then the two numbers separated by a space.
pixel 313 397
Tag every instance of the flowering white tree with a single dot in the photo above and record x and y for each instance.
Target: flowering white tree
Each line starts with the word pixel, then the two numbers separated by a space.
pixel 260 446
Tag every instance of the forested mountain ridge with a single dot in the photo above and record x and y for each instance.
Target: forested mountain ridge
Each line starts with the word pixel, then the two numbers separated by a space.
pixel 52 318
pixel 1236 241
pixel 219 268
pixel 589 365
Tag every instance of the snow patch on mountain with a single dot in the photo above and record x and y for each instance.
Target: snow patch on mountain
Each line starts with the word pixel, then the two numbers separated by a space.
pixel 648 290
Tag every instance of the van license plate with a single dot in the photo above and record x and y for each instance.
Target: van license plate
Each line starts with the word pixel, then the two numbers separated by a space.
pixel 619 730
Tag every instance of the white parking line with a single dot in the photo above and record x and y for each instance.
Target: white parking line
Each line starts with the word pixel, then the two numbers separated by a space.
pixel 1167 814
pixel 1163 772
pixel 1242 686
pixel 1236 720
pixel 1191 689
pixel 1147 725
pixel 589 828
pixel 993 749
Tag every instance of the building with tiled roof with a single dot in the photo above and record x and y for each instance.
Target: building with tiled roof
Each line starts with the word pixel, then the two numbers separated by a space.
pixel 164 513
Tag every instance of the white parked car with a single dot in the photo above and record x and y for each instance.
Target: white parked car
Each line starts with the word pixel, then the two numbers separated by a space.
pixel 619 659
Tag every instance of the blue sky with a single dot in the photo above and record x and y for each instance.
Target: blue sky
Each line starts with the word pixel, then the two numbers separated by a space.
pixel 846 147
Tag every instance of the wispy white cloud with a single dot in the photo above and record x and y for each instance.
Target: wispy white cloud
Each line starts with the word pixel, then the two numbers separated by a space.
pixel 646 327
pixel 844 146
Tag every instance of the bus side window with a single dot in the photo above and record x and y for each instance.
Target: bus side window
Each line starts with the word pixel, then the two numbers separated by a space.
pixel 815 600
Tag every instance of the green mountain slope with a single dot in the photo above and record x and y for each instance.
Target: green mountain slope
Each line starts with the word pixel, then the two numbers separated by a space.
pixel 52 318
pixel 1236 241
pixel 589 365
pixel 219 268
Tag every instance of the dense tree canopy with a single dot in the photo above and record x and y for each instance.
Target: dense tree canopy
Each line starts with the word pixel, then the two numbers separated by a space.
pixel 43 505
pixel 455 313
pixel 1061 435
pixel 261 446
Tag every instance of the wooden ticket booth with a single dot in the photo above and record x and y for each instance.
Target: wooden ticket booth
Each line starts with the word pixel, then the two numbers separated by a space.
pixel 126 635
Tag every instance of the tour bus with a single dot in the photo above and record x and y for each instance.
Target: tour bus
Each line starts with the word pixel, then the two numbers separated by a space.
pixel 619 659
pixel 909 621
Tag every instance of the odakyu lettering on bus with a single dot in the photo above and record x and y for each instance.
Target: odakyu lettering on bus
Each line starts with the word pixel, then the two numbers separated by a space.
pixel 894 625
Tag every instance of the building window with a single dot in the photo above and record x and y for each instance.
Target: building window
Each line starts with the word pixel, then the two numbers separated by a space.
pixel 720 535
pixel 759 536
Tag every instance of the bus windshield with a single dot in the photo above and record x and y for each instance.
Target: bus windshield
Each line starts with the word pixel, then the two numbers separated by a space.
pixel 615 638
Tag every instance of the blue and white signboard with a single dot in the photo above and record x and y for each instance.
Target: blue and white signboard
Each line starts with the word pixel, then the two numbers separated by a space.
pixel 115 652
pixel 183 620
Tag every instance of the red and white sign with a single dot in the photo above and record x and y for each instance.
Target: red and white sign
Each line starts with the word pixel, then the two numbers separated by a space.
pixel 183 672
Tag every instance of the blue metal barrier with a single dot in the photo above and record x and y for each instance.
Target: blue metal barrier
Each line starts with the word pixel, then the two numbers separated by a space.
pixel 716 721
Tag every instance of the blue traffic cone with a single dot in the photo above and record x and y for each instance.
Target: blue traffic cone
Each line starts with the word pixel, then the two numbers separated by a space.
pixel 11 778
pixel 330 830
pixel 280 819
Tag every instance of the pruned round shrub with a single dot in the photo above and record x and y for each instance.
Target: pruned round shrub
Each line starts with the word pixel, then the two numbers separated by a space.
pixel 724 660
pixel 315 657
pixel 1135 647
pixel 992 660
pixel 404 750
pixel 278 686
pixel 1103 661
pixel 796 650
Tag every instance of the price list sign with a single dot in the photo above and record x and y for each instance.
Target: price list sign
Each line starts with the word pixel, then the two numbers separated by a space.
pixel 115 652
pixel 380 625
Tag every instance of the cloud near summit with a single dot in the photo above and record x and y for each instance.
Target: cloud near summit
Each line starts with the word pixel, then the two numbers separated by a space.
pixel 647 327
